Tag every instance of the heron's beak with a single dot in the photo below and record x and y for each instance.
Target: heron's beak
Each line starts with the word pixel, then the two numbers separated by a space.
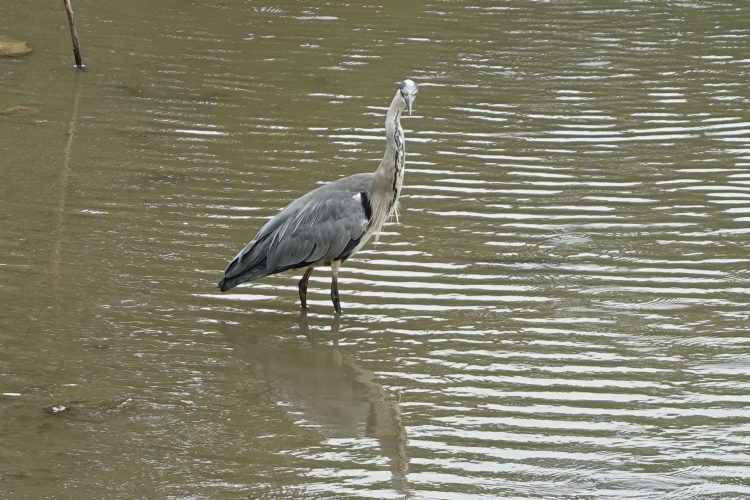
pixel 409 102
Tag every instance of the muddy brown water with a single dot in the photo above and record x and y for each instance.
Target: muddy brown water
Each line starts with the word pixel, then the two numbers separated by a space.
pixel 562 311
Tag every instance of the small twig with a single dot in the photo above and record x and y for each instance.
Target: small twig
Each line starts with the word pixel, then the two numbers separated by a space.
pixel 74 34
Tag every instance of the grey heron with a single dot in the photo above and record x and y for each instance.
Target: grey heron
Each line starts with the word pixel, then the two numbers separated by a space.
pixel 327 225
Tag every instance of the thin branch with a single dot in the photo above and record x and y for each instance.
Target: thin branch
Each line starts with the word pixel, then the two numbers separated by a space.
pixel 74 34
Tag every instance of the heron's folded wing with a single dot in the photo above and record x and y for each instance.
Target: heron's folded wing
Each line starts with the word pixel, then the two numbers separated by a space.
pixel 324 228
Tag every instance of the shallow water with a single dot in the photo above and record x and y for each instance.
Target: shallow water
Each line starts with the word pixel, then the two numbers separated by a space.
pixel 561 310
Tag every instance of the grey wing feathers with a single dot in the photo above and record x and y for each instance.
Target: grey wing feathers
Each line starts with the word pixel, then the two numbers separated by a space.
pixel 324 225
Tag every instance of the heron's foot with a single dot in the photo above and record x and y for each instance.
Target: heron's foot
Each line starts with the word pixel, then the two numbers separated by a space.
pixel 303 287
pixel 336 305
pixel 335 286
pixel 335 300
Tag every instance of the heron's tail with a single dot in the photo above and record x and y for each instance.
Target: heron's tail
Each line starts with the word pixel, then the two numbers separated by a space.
pixel 226 284
pixel 229 283
pixel 240 271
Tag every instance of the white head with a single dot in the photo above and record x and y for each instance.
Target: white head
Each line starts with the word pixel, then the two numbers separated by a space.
pixel 408 91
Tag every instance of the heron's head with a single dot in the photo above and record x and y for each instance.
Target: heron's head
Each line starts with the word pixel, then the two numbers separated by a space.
pixel 408 90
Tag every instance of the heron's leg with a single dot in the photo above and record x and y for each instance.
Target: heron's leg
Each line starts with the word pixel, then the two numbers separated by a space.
pixel 303 287
pixel 335 285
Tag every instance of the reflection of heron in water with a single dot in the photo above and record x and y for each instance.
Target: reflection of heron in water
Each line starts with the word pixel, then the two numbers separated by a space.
pixel 328 389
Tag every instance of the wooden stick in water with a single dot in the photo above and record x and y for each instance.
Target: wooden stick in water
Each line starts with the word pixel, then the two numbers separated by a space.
pixel 74 34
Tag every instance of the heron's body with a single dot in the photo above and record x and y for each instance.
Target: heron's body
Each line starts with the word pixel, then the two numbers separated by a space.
pixel 327 225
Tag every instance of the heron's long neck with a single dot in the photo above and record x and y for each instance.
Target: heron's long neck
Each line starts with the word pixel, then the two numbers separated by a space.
pixel 389 176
